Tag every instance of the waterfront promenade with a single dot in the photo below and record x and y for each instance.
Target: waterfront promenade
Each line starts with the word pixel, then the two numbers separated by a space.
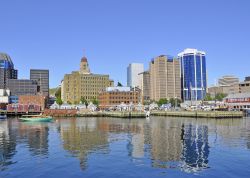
pixel 138 114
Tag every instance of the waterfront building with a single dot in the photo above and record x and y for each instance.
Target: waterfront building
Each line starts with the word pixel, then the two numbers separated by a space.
pixel 133 77
pixel 244 87
pixel 193 74
pixel 114 96
pixel 4 98
pixel 146 86
pixel 42 78
pixel 238 101
pixel 83 84
pixel 228 80
pixel 226 89
pixel 7 70
pixel 165 78
pixel 32 100
pixel 19 87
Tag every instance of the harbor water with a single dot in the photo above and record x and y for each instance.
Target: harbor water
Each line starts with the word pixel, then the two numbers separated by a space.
pixel 137 148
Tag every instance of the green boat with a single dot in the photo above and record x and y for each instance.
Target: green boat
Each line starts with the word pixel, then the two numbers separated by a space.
pixel 35 118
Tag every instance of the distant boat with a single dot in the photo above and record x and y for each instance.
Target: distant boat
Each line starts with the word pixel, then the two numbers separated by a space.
pixel 3 117
pixel 35 118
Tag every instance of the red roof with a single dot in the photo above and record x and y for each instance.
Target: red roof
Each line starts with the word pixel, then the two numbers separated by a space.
pixel 84 59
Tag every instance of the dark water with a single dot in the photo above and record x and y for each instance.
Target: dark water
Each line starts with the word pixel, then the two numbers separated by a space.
pixel 105 147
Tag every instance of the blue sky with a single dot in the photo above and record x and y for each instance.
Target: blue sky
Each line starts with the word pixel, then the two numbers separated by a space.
pixel 54 34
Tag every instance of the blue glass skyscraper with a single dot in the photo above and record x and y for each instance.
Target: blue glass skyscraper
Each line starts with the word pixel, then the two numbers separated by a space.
pixel 193 74
pixel 7 70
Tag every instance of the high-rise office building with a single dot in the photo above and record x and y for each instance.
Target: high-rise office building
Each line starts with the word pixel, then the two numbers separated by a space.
pixel 133 77
pixel 193 74
pixel 19 87
pixel 165 78
pixel 83 84
pixel 146 86
pixel 7 70
pixel 42 79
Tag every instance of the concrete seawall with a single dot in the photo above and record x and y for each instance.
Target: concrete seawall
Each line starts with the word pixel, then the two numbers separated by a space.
pixel 114 114
pixel 134 114
pixel 199 114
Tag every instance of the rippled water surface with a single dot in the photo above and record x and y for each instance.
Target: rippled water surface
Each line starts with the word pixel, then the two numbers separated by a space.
pixel 111 147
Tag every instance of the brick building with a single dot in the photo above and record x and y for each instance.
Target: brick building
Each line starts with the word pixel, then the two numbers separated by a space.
pixel 33 100
pixel 114 96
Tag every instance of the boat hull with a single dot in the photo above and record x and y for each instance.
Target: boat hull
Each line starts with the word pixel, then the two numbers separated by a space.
pixel 39 119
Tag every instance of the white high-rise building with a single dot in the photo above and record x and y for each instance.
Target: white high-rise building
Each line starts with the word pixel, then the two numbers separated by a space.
pixel 133 77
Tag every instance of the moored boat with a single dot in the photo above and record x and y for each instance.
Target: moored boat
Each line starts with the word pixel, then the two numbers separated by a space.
pixel 36 118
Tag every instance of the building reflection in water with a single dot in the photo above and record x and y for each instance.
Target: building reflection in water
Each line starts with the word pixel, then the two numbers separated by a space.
pixel 166 145
pixel 35 135
pixel 174 143
pixel 171 144
pixel 195 148
pixel 7 144
pixel 82 137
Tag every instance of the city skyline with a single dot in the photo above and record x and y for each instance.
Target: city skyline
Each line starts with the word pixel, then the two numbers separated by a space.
pixel 108 34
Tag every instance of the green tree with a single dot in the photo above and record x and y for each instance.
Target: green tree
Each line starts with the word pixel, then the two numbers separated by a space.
pixel 220 96
pixel 95 102
pixel 208 97
pixel 162 101
pixel 119 84
pixel 84 101
pixel 58 93
pixel 59 101
pixel 175 102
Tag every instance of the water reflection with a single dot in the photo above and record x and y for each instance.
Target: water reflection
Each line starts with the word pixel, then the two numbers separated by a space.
pixel 7 144
pixel 195 147
pixel 35 136
pixel 81 137
pixel 167 143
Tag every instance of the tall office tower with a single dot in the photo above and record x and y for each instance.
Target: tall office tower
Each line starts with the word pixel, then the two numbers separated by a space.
pixel 7 70
pixel 193 74
pixel 133 77
pixel 42 79
pixel 228 80
pixel 165 78
pixel 83 84
pixel 146 86
pixel 19 87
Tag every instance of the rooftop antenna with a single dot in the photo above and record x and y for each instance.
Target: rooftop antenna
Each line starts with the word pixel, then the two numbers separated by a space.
pixel 83 50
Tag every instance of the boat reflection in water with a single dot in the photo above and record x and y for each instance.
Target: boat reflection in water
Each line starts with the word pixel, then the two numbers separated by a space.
pixel 111 145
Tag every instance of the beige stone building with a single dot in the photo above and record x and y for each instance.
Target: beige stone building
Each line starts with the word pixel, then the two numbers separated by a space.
pixel 165 78
pixel 83 84
pixel 230 89
pixel 244 87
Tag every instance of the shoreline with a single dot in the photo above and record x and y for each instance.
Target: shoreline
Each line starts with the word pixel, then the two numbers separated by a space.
pixel 138 114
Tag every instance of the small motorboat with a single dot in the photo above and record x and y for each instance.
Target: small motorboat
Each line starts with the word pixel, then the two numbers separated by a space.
pixel 3 117
pixel 36 118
